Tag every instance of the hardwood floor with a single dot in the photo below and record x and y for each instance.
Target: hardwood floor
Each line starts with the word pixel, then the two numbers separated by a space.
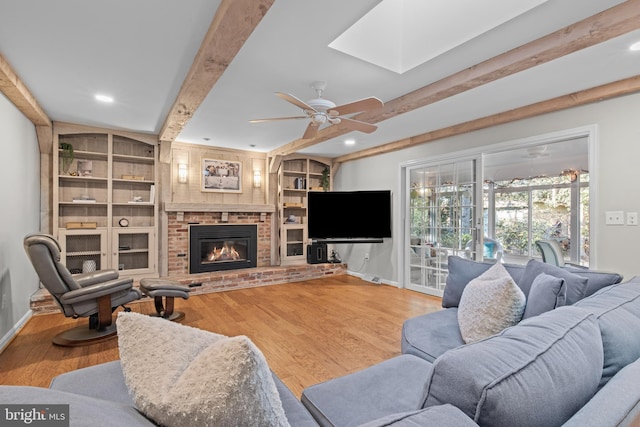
pixel 309 331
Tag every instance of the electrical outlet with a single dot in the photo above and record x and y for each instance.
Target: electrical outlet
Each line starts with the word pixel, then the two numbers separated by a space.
pixel 366 257
pixel 632 218
pixel 614 218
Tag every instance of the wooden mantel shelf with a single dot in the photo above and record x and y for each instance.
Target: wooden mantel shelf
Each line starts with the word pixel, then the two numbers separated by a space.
pixel 212 207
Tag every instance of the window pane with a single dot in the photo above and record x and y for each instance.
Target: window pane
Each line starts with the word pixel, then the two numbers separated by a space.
pixel 584 222
pixel 512 222
pixel 552 218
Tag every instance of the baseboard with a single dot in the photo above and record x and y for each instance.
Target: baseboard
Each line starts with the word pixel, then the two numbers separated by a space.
pixel 8 337
pixel 372 278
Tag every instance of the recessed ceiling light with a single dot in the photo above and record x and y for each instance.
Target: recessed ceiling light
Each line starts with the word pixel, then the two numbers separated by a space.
pixel 635 46
pixel 349 142
pixel 104 98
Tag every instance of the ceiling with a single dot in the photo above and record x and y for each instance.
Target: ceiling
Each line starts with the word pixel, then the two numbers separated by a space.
pixel 140 52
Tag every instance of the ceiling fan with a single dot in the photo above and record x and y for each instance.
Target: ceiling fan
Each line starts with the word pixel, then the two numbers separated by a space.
pixel 320 111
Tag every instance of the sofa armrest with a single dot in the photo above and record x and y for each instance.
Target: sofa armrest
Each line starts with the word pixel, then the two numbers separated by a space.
pixel 617 404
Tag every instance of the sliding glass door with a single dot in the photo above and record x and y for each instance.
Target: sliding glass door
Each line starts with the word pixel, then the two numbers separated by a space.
pixel 494 205
pixel 442 220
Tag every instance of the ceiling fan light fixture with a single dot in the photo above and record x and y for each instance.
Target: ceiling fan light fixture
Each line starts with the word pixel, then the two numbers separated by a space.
pixel 319 119
pixel 321 104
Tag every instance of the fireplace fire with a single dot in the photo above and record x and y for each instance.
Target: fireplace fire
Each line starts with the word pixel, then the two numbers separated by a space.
pixel 222 247
pixel 227 252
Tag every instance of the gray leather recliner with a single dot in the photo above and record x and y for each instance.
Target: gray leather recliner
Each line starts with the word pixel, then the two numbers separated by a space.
pixel 94 295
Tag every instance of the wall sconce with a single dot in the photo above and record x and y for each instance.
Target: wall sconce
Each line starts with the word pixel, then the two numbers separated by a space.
pixel 183 173
pixel 257 178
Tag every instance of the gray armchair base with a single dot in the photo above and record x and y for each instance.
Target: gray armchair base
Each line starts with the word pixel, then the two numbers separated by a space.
pixel 82 335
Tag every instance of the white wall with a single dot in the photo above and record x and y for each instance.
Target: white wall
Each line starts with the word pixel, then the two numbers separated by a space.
pixel 617 162
pixel 19 215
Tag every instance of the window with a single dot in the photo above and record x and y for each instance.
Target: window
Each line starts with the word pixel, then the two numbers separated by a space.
pixel 527 210
pixel 538 192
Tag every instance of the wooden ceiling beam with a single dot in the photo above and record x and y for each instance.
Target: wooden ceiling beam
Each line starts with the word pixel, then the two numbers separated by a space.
pixel 596 29
pixel 17 92
pixel 232 25
pixel 596 94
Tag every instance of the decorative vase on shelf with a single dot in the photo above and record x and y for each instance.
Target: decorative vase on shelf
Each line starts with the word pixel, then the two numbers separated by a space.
pixel 88 266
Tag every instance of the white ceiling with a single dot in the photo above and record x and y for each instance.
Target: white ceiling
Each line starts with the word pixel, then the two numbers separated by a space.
pixel 139 52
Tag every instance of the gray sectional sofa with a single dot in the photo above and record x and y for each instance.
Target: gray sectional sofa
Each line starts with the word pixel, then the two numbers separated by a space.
pixel 575 365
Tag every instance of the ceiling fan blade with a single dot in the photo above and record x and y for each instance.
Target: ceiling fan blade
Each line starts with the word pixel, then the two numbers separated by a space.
pixel 358 125
pixel 311 130
pixel 365 104
pixel 295 101
pixel 276 119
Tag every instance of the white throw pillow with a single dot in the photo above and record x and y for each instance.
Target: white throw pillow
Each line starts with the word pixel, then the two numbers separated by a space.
pixel 490 303
pixel 184 376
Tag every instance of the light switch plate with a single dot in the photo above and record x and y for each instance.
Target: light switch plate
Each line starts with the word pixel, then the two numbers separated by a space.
pixel 614 217
pixel 632 218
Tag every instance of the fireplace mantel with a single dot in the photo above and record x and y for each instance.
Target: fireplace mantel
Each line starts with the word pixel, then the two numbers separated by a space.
pixel 212 207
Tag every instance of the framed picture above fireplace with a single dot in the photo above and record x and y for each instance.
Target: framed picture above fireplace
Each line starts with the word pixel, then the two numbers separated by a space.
pixel 221 176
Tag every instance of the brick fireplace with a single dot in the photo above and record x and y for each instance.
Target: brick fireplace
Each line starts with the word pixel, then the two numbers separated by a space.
pixel 178 235
pixel 265 273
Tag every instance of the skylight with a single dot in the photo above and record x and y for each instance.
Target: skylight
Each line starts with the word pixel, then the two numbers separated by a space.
pixel 401 34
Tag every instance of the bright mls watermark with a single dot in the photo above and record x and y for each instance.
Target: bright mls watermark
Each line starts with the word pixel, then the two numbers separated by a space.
pixel 34 415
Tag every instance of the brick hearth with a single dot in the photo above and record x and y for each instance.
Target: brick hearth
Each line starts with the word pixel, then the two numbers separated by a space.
pixel 42 302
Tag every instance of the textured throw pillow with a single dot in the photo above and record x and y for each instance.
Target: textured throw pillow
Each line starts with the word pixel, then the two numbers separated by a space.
pixel 547 292
pixel 182 376
pixel 576 285
pixel 490 303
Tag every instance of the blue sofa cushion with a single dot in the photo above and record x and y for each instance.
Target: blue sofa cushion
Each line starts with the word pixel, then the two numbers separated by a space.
pixel 83 410
pixel 576 285
pixel 103 381
pixel 430 335
pixel 393 386
pixel 462 271
pixel 435 416
pixel 538 373
pixel 617 309
pixel 596 279
pixel 547 293
pixel 106 381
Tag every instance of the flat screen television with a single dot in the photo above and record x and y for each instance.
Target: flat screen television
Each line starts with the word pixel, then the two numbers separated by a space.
pixel 349 216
